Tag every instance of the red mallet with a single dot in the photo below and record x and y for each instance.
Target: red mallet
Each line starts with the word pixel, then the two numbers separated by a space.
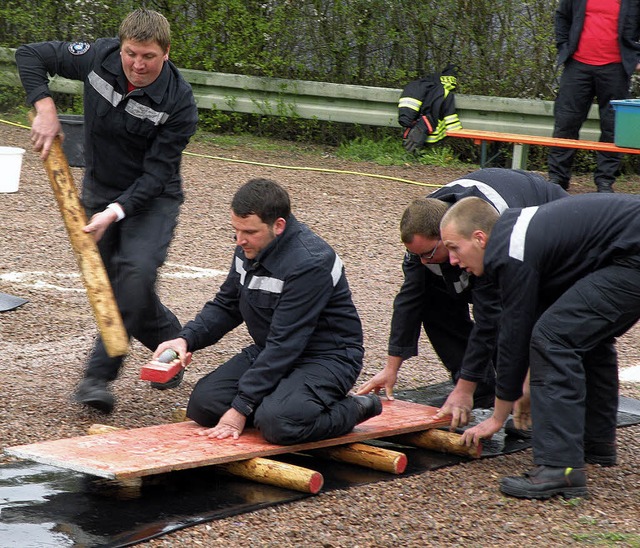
pixel 162 370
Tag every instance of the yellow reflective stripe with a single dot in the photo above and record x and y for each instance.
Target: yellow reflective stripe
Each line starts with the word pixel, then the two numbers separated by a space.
pixel 449 82
pixel 452 121
pixel 439 133
pixel 410 102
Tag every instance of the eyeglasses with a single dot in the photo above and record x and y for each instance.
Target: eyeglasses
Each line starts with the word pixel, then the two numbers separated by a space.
pixel 428 256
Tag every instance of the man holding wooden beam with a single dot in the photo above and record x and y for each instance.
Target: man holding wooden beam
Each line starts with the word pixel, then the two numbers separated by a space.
pixel 139 116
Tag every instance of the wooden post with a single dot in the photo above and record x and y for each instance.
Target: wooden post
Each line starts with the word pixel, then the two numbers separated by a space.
pixel 101 429
pixel 273 472
pixel 369 456
pixel 94 275
pixel 440 440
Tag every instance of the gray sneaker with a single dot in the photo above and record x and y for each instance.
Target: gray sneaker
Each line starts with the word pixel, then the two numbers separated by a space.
pixel 94 393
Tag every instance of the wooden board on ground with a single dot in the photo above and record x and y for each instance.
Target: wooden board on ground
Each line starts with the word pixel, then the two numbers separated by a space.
pixel 158 449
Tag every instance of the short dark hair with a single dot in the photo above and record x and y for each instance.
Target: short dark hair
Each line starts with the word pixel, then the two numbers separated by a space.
pixel 422 217
pixel 264 198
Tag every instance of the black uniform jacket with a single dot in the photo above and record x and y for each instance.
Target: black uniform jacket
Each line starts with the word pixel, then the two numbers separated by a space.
pixel 133 141
pixel 296 303
pixel 503 188
pixel 535 254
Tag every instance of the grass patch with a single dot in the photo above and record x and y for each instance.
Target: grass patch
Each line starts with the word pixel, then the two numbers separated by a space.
pixel 389 152
pixel 631 540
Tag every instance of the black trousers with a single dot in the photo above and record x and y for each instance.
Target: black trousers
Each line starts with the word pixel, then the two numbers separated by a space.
pixel 573 364
pixel 447 323
pixel 309 404
pixel 133 250
pixel 579 85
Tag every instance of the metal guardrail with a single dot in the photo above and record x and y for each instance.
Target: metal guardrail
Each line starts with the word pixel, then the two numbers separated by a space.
pixel 338 102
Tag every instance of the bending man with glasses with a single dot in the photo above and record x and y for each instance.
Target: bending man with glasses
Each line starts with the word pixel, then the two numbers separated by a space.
pixel 435 295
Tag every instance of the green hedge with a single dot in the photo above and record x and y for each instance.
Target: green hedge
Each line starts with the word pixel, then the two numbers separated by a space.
pixel 501 47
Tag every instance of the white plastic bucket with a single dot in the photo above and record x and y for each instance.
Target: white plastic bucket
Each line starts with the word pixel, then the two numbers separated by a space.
pixel 10 167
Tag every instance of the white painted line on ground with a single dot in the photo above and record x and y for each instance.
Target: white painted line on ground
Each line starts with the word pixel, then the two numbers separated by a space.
pixel 38 279
pixel 192 272
pixel 630 374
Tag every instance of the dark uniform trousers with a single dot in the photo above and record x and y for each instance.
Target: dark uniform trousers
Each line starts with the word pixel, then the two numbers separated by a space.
pixel 447 323
pixel 574 370
pixel 133 250
pixel 579 84
pixel 308 404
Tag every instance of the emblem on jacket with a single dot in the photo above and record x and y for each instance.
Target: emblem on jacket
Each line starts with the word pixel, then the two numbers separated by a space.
pixel 79 48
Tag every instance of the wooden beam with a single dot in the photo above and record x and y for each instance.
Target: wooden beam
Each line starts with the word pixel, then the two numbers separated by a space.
pixel 440 440
pixel 273 472
pixel 369 456
pixel 94 275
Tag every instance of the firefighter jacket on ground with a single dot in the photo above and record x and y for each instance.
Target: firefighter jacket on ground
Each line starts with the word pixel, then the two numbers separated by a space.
pixel 430 99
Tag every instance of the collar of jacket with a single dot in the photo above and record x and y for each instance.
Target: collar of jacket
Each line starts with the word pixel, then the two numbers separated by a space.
pixel 155 91
pixel 270 256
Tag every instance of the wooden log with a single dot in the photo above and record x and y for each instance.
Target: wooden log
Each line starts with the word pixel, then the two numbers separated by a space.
pixel 101 429
pixel 369 456
pixel 440 440
pixel 267 471
pixel 179 414
pixel 94 275
pixel 273 472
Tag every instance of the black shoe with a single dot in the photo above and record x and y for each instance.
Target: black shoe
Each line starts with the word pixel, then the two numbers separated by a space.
pixel 604 187
pixel 563 184
pixel 173 382
pixel 484 401
pixel 95 393
pixel 547 481
pixel 603 454
pixel 511 430
pixel 369 405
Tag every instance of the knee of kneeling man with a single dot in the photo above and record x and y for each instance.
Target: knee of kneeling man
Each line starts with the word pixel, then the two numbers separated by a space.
pixel 275 429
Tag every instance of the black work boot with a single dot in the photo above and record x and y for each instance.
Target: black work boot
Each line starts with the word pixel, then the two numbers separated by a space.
pixel 484 396
pixel 563 184
pixel 603 454
pixel 544 482
pixel 369 405
pixel 95 393
pixel 604 186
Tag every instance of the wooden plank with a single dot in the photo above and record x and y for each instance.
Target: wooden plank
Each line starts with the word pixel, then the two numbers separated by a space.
pixel 479 136
pixel 163 448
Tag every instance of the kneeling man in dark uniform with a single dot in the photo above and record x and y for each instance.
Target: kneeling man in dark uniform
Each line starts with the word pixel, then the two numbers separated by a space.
pixel 289 287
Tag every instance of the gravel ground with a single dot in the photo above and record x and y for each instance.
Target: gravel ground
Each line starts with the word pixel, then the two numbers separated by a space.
pixel 45 342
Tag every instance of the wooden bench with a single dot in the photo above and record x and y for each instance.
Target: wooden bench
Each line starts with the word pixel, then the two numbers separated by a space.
pixel 521 144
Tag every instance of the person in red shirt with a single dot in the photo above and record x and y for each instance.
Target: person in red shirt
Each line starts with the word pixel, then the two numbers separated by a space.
pixel 597 42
